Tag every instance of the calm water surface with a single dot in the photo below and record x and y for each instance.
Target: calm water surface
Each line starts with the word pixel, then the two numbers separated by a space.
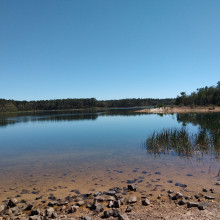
pixel 96 150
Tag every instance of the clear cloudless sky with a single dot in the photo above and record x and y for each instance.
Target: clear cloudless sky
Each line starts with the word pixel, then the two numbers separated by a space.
pixel 107 49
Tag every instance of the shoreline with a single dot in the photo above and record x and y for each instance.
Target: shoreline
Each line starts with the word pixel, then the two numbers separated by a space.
pixel 177 109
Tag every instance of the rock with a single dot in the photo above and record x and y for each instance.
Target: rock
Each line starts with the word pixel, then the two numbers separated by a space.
pixel 2 208
pixel 49 211
pixel 217 183
pixel 204 190
pixel 111 198
pixel 100 198
pixel 52 197
pixel 52 203
pixel 28 207
pixel 38 197
pixel 80 203
pixel 35 212
pixel 97 194
pixel 12 202
pixel 197 196
pixel 111 192
pixel 86 218
pixel 132 199
pixel 77 199
pixel 173 197
pixel 73 209
pixel 209 197
pixel 146 202
pixel 202 206
pixel 99 208
pixel 117 204
pixel 122 216
pixel 115 212
pixel 122 199
pixel 128 209
pixel 89 205
pixel 179 195
pixel 132 187
pixel 182 201
pixel 107 214
pixel 110 204
pixel 212 190
pixel 192 204
pixel 35 217
pixel 181 185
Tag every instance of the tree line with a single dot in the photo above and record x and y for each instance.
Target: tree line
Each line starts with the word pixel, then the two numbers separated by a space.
pixel 65 104
pixel 202 97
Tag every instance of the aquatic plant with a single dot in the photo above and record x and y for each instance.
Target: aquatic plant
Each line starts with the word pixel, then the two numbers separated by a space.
pixel 180 140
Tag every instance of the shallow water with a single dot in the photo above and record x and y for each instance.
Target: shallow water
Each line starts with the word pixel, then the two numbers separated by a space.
pixel 91 151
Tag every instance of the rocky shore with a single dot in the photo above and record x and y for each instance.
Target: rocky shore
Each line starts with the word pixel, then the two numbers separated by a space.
pixel 177 109
pixel 118 203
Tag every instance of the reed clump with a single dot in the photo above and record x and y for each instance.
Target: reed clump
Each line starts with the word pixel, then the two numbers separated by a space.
pixel 184 143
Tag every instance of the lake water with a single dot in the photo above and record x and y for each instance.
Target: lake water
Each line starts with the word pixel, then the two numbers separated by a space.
pixel 85 151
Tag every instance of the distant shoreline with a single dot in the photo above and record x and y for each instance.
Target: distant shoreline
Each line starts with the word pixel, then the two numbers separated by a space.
pixel 184 109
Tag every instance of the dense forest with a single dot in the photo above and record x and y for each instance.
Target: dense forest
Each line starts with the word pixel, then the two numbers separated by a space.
pixel 202 97
pixel 65 104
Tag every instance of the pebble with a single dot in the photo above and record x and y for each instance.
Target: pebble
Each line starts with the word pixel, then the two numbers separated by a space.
pixel 132 199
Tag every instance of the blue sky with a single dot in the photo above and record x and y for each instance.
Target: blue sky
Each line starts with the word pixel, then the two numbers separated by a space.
pixel 107 49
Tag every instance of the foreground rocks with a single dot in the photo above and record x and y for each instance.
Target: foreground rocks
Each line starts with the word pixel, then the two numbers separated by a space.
pixel 116 203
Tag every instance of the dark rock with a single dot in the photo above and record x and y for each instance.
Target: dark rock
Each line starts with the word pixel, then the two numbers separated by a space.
pixel 204 190
pixel 181 185
pixel 146 202
pixel 198 196
pixel 35 212
pixel 86 218
pixel 132 187
pixel 202 206
pixel 128 209
pixel 115 212
pixel 217 183
pixel 38 197
pixel 117 204
pixel 52 203
pixel 12 202
pixel 182 201
pixel 170 191
pixel 179 195
pixel 209 197
pixel 28 207
pixel 107 214
pixel 192 204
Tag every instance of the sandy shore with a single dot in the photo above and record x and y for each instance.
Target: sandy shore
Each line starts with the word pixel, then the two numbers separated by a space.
pixel 185 109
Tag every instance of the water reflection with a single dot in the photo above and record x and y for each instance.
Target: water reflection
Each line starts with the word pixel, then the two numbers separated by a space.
pixel 185 143
pixel 13 118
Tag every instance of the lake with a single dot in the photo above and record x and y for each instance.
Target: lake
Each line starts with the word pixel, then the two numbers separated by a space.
pixel 82 151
